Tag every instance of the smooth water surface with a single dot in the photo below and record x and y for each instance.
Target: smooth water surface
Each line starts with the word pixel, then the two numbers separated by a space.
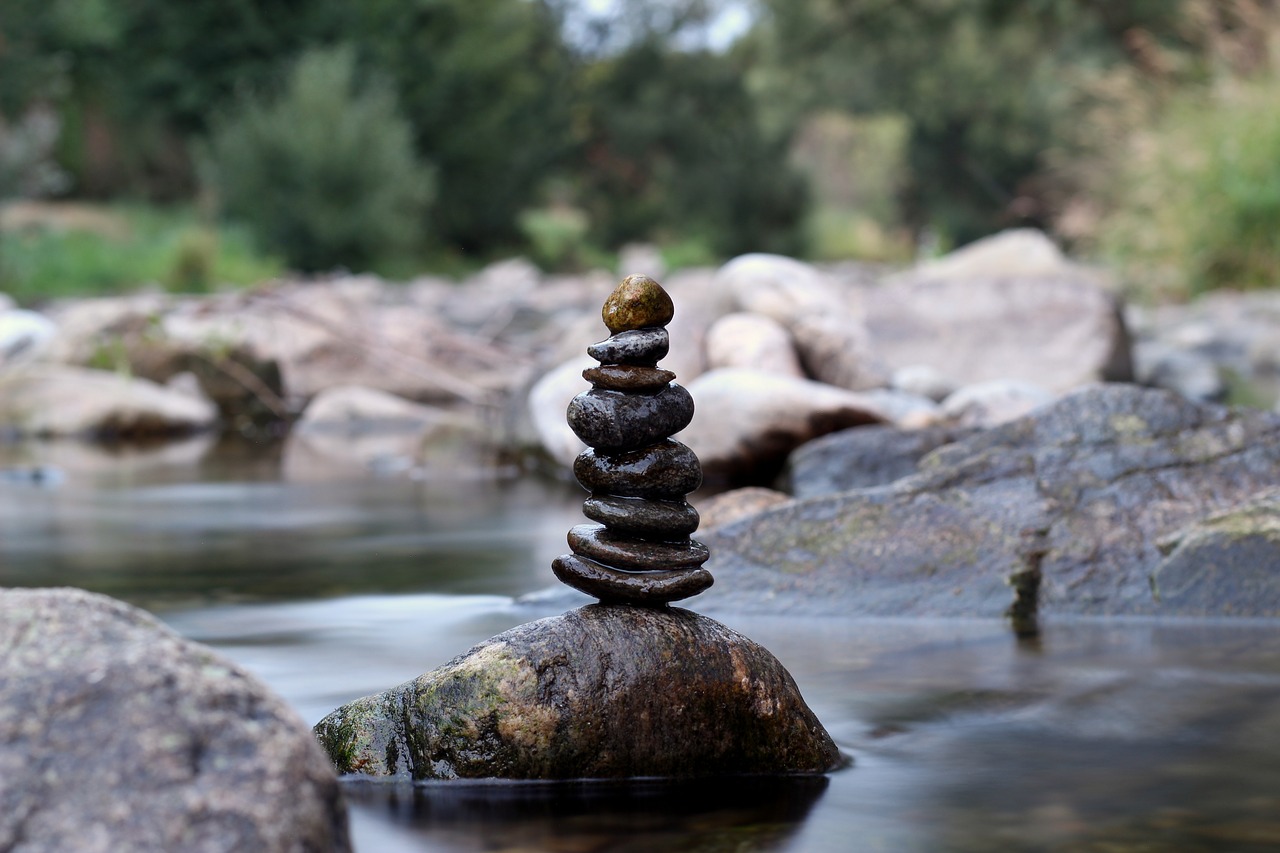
pixel 1129 735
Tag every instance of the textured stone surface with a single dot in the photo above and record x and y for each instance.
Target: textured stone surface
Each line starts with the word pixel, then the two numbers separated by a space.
pixel 667 470
pixel 1225 564
pixel 617 420
pixel 116 734
pixel 628 377
pixel 598 692
pixel 647 519
pixel 595 542
pixel 1083 491
pixel 623 586
pixel 638 302
pixel 644 347
pixel 863 457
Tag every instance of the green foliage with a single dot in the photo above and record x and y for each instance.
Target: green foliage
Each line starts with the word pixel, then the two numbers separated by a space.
pixel 487 84
pixel 170 248
pixel 1197 203
pixel 673 149
pixel 324 173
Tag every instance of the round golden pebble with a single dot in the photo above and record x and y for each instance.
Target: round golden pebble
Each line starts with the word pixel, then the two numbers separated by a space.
pixel 638 302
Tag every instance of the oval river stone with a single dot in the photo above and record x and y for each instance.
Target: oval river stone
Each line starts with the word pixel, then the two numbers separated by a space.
pixel 653 520
pixel 594 542
pixel 667 470
pixel 628 377
pixel 615 586
pixel 637 303
pixel 616 420
pixel 644 347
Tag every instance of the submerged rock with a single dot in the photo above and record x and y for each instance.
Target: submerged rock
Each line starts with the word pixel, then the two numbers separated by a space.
pixel 604 691
pixel 117 734
pixel 1082 492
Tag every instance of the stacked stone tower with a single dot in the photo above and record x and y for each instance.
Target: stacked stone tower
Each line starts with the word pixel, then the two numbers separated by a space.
pixel 639 552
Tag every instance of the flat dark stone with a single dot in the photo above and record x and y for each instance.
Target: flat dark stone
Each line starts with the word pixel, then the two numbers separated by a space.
pixel 628 377
pixel 660 520
pixel 615 420
pixel 667 470
pixel 615 586
pixel 645 347
pixel 594 542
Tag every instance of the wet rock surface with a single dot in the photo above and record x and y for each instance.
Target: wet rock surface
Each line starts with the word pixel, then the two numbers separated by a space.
pixel 600 692
pixel 631 455
pixel 116 734
pixel 1083 492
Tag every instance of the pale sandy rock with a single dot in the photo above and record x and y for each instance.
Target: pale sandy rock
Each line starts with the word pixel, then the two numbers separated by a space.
pixel 57 400
pixel 987 404
pixel 548 404
pixel 736 504
pixel 747 421
pixel 752 341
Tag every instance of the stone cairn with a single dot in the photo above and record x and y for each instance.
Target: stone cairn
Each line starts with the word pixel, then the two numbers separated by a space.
pixel 640 551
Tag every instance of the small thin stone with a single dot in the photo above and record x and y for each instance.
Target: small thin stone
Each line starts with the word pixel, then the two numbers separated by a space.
pixel 662 521
pixel 628 377
pixel 638 302
pixel 615 586
pixel 642 347
pixel 594 542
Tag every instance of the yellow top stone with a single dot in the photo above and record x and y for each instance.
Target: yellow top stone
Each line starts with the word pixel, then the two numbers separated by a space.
pixel 638 302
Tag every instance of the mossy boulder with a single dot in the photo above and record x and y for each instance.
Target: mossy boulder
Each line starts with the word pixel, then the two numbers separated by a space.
pixel 599 692
pixel 1080 493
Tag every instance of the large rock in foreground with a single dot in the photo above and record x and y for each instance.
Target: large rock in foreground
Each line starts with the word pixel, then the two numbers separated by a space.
pixel 1085 494
pixel 117 734
pixel 600 692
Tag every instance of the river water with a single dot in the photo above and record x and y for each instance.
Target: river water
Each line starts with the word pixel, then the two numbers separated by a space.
pixel 329 584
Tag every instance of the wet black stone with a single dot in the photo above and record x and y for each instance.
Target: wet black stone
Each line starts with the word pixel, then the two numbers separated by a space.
pixel 615 586
pixel 628 377
pixel 654 520
pixel 644 347
pixel 615 420
pixel 667 470
pixel 594 542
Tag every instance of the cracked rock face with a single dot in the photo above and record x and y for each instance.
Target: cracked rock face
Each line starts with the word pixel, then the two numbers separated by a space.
pixel 600 692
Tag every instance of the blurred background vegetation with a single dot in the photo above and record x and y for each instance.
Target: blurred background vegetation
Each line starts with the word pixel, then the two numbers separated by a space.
pixel 215 142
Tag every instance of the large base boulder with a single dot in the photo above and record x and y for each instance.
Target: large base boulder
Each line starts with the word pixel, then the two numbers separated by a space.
pixel 116 734
pixel 604 691
pixel 1072 505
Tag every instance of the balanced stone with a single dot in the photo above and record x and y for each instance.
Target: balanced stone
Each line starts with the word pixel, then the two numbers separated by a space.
pixel 638 302
pixel 646 519
pixel 628 377
pixel 644 347
pixel 614 586
pixel 596 542
pixel 667 470
pixel 640 551
pixel 617 420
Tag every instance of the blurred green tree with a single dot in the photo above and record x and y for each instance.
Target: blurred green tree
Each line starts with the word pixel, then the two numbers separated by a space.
pixel 325 171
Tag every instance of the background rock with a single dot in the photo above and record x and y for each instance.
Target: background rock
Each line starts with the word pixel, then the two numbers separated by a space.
pixel 55 400
pixel 598 692
pixel 745 422
pixel 752 341
pixel 728 507
pixel 863 458
pixel 1083 490
pixel 986 404
pixel 116 734
pixel 979 317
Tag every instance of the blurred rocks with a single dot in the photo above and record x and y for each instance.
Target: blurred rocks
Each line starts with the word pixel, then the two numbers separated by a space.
pixel 986 404
pixel 1006 308
pixel 864 458
pixel 599 692
pixel 47 400
pixel 752 341
pixel 117 734
pixel 745 422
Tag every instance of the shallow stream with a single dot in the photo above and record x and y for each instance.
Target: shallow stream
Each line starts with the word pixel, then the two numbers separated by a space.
pixel 1132 735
